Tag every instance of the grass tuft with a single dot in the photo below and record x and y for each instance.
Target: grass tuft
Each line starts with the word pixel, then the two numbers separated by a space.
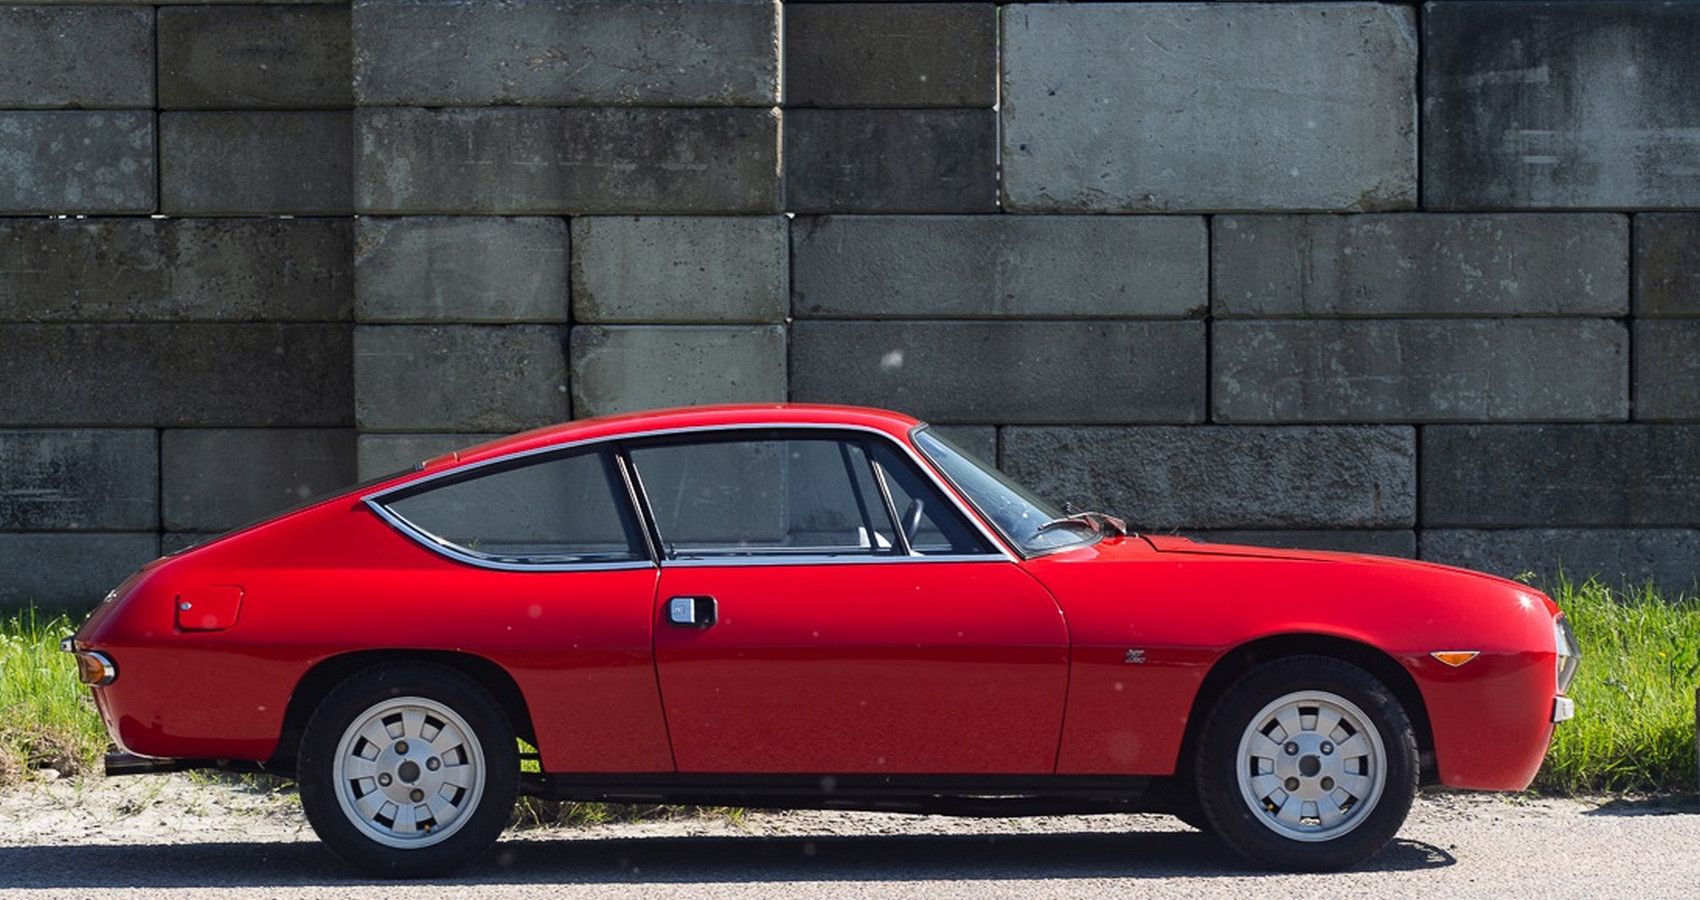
pixel 47 718
pixel 1634 692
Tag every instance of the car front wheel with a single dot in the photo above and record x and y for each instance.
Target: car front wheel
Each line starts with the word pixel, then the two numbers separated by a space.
pixel 408 770
pixel 1307 763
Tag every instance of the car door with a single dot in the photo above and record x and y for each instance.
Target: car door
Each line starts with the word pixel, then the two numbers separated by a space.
pixel 798 630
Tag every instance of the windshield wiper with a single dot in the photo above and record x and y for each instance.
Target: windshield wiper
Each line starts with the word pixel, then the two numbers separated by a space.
pixel 1097 521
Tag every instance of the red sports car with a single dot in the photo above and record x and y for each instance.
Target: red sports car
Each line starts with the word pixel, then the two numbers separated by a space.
pixel 808 606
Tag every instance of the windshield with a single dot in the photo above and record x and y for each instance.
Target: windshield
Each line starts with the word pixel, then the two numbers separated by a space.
pixel 1027 521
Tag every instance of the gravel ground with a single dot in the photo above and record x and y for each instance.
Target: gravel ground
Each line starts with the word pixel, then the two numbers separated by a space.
pixel 178 835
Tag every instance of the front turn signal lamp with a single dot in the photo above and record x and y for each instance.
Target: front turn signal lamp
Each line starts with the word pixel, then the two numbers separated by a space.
pixel 1455 658
pixel 95 668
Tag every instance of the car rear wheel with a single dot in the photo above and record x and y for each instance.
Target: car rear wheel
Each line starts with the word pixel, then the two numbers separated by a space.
pixel 1307 763
pixel 408 770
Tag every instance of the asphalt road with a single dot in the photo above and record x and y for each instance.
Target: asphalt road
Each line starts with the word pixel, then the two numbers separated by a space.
pixel 1455 846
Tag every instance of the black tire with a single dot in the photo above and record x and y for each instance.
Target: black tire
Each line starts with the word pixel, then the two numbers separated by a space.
pixel 335 714
pixel 1217 763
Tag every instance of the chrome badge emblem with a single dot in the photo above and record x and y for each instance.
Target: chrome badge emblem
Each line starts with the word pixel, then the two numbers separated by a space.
pixel 1135 657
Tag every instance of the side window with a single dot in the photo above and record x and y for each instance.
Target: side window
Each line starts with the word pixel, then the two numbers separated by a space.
pixel 561 509
pixel 931 522
pixel 764 496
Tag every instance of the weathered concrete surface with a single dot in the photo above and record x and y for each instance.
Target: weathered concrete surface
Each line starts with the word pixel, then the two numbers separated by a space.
pixel 1579 104
pixel 202 374
pixel 1165 477
pixel 891 54
pixel 1113 106
pixel 715 269
pixel 1421 265
pixel 459 377
pixel 254 57
pixel 576 52
pixel 995 372
pixel 214 163
pixel 215 479
pixel 69 572
pixel 1413 370
pixel 1620 557
pixel 381 454
pixel 1557 475
pixel 1667 264
pixel 623 369
pixel 1376 542
pixel 105 479
pixel 891 160
pixel 460 269
pixel 980 440
pixel 80 57
pixel 157 270
pixel 76 162
pixel 937 267
pixel 1667 369
pixel 585 160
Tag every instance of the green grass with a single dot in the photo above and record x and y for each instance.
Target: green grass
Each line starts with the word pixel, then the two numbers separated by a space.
pixel 1634 692
pixel 1634 729
pixel 47 720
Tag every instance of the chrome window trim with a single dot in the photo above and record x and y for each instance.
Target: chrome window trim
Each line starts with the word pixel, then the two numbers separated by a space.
pixel 426 540
pixel 374 501
pixel 823 560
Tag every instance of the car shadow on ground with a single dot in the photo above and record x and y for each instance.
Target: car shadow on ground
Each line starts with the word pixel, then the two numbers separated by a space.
pixel 676 859
pixel 1657 805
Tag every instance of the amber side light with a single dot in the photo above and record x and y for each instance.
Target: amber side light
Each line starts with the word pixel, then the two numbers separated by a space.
pixel 95 668
pixel 1455 658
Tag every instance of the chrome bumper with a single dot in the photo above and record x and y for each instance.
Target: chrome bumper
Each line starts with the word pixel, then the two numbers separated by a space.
pixel 1563 709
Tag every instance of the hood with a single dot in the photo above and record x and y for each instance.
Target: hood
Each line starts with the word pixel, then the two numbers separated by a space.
pixel 1181 545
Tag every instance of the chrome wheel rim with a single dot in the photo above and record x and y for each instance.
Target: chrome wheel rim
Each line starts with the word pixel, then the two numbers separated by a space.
pixel 1311 766
pixel 409 772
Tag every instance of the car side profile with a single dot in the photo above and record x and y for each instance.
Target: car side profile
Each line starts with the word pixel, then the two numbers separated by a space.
pixel 807 606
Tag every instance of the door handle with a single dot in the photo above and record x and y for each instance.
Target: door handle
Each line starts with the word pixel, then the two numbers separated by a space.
pixel 692 612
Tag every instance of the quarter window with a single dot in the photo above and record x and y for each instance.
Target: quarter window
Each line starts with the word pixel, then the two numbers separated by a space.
pixel 563 509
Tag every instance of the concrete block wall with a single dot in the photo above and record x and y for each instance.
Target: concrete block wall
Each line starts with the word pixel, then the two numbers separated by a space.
pixel 1419 280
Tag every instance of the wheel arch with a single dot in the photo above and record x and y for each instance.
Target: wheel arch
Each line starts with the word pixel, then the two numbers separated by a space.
pixel 331 671
pixel 1244 657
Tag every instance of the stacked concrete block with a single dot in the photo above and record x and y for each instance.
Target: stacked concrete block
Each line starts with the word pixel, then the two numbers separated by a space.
pixel 474 378
pixel 566 53
pixel 675 270
pixel 1191 106
pixel 461 269
pixel 255 57
pixel 1049 267
pixel 215 479
pixel 1409 370
pixel 1006 372
pixel 628 368
pixel 1548 105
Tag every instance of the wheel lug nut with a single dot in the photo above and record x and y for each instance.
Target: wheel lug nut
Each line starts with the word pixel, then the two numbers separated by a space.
pixel 416 795
pixel 383 779
pixel 1292 748
pixel 1327 783
pixel 1327 748
pixel 1292 784
pixel 433 764
pixel 401 746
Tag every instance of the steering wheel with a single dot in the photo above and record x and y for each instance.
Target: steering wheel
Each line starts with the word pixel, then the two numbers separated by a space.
pixel 912 520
